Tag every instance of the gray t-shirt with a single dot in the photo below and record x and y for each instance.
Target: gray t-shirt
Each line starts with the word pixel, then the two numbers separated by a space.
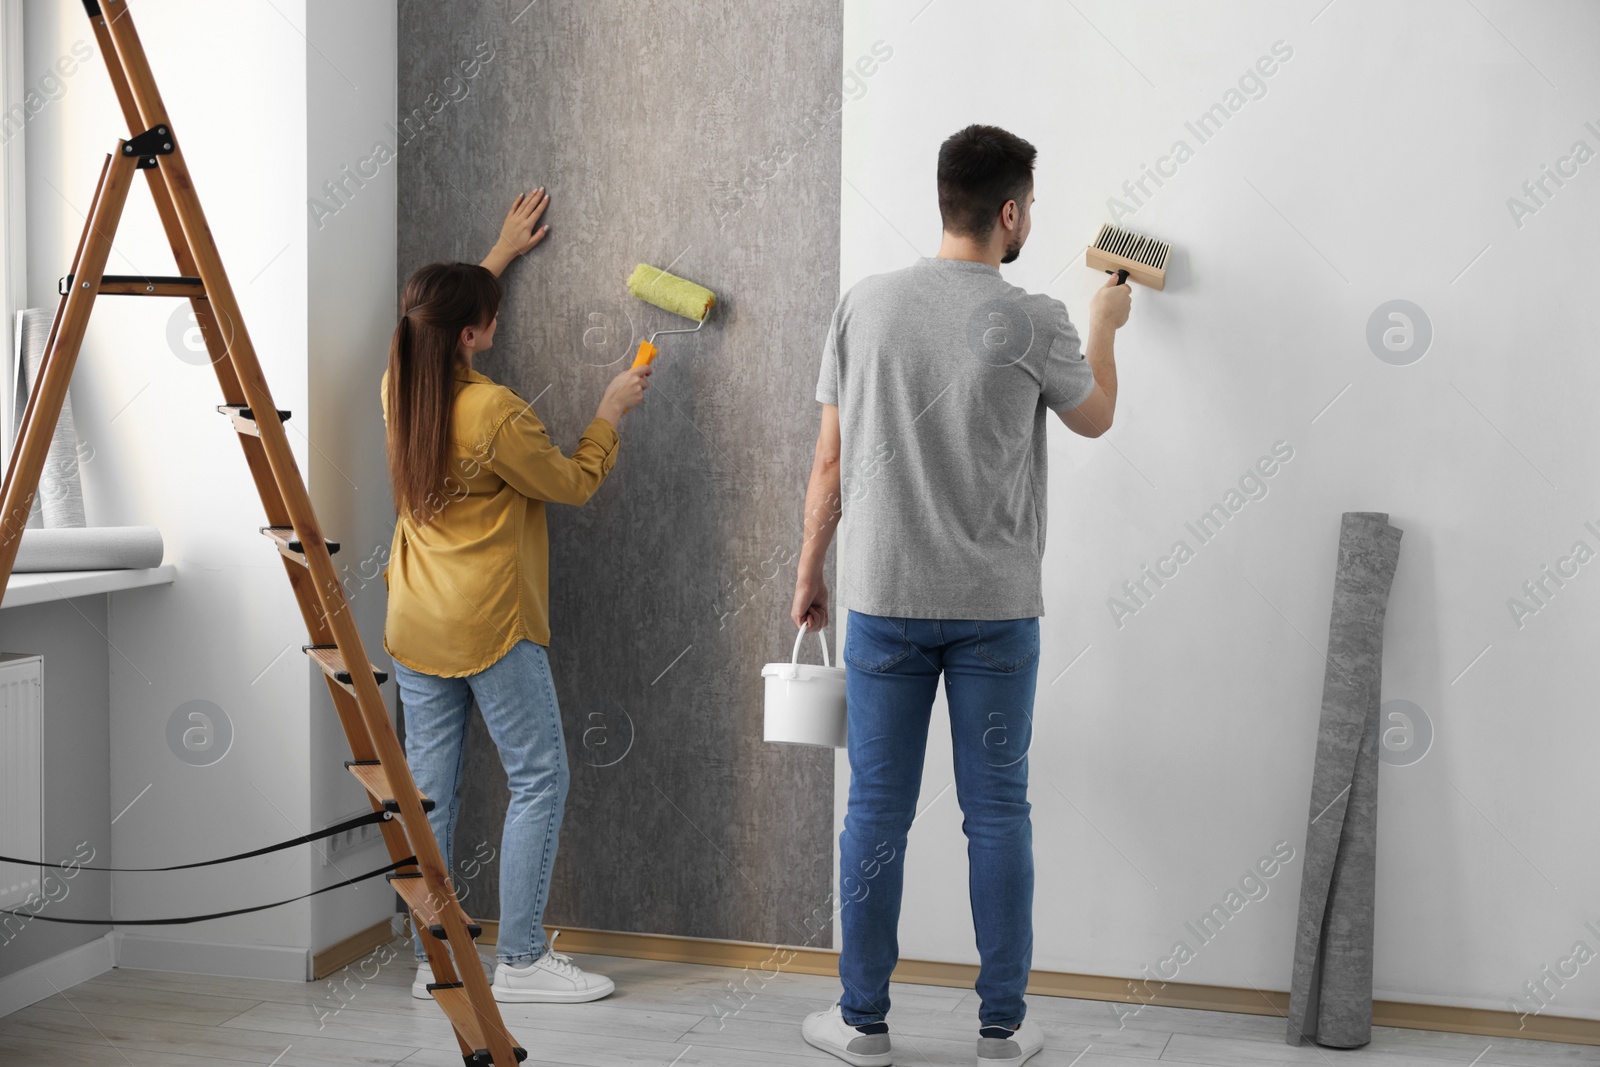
pixel 942 372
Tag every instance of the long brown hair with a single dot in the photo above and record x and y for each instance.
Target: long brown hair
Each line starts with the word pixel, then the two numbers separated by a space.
pixel 440 301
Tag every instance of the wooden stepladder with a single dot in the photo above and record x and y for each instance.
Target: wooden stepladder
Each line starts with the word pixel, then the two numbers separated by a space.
pixel 379 764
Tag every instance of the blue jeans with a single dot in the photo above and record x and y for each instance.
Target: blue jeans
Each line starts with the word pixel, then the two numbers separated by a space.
pixel 892 668
pixel 517 698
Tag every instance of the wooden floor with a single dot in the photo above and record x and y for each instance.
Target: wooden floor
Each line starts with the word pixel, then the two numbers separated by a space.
pixel 666 1014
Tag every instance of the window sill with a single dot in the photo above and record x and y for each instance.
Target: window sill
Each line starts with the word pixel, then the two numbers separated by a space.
pixel 42 587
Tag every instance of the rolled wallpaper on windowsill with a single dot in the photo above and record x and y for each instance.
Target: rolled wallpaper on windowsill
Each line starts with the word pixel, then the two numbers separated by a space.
pixel 59 502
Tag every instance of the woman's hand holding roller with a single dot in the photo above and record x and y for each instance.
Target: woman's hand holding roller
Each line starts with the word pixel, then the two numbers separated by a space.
pixel 625 392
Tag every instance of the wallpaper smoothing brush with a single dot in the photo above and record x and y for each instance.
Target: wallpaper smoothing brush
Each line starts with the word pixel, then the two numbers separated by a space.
pixel 670 293
pixel 1144 259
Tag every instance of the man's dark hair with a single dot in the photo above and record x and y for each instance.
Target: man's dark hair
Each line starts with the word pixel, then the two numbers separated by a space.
pixel 980 168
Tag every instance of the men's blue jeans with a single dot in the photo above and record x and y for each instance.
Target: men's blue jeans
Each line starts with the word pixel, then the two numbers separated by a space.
pixel 517 698
pixel 892 668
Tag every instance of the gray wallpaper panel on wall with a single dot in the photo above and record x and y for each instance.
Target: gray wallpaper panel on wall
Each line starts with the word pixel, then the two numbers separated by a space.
pixel 703 139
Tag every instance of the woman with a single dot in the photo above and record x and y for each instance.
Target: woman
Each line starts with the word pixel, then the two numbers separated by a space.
pixel 472 469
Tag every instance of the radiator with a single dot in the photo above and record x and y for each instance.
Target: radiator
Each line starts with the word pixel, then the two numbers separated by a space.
pixel 21 774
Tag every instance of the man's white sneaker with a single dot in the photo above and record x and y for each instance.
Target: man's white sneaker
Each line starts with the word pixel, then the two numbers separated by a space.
pixel 1011 1051
pixel 551 979
pixel 828 1031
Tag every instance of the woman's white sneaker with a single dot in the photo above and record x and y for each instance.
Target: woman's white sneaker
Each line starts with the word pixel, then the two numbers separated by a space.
pixel 419 984
pixel 551 979
pixel 1011 1051
pixel 828 1031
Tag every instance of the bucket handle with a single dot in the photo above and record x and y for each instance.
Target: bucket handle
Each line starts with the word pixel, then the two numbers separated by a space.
pixel 794 657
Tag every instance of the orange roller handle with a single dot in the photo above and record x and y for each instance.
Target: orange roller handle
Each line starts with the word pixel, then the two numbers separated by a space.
pixel 647 352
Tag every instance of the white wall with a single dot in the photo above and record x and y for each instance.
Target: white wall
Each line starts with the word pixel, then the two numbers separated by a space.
pixel 350 77
pixel 1375 164
pixel 227 631
pixel 235 79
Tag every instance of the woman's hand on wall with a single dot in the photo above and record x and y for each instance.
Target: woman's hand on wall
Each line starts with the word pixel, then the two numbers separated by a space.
pixel 520 231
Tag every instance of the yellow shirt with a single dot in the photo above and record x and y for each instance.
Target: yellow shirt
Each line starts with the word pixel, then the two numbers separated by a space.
pixel 474 581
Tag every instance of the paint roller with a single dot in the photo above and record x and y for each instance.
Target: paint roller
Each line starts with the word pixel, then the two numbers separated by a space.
pixel 670 293
pixel 1128 255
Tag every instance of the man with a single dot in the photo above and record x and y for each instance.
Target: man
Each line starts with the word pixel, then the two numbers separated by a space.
pixel 935 381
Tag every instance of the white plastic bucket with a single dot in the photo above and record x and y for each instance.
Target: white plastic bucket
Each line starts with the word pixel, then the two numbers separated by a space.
pixel 804 702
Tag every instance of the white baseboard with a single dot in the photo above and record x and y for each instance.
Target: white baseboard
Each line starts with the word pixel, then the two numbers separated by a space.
pixel 279 963
pixel 48 977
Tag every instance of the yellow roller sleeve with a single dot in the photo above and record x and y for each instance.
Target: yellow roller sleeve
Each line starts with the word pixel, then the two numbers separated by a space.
pixel 670 292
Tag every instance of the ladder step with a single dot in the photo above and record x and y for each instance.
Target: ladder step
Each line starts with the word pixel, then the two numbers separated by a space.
pixel 244 419
pixel 414 891
pixel 141 285
pixel 290 545
pixel 452 997
pixel 332 662
pixel 370 773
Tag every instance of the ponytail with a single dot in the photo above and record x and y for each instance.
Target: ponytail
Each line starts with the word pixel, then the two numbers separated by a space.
pixel 440 301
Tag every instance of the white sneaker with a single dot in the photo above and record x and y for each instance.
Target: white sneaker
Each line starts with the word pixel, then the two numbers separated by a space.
pixel 551 979
pixel 828 1031
pixel 419 984
pixel 1011 1051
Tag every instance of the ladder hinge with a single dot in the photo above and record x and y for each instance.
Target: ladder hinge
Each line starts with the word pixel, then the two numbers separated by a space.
pixel 156 141
pixel 141 285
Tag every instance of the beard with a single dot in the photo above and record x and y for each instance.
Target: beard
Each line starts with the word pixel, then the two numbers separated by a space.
pixel 1013 250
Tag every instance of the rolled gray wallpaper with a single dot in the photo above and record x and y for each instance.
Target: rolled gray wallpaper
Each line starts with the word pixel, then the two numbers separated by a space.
pixel 60 493
pixel 1330 995
pixel 93 548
